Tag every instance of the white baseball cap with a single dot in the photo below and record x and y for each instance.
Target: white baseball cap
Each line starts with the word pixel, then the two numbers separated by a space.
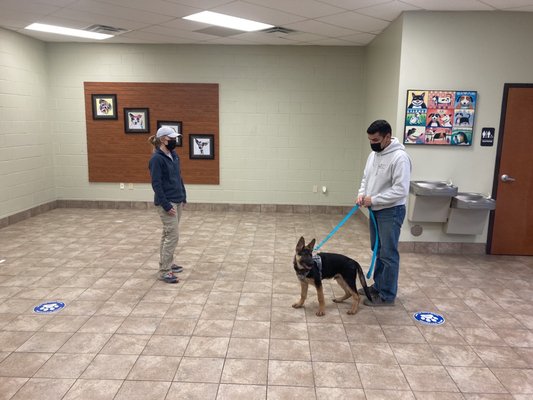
pixel 167 131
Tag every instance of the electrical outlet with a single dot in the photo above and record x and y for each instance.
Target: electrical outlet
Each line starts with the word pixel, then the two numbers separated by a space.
pixel 130 186
pixel 315 189
pixel 121 186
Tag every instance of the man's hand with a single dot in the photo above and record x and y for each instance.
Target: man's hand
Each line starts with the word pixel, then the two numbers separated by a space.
pixel 365 201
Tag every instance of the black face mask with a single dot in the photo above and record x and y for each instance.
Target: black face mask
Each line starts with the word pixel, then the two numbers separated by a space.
pixel 171 145
pixel 376 147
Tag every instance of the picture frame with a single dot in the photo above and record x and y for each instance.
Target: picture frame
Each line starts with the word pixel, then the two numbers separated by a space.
pixel 440 117
pixel 104 106
pixel 136 120
pixel 202 146
pixel 177 126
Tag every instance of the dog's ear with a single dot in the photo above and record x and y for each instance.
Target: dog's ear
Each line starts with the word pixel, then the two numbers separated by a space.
pixel 300 245
pixel 311 245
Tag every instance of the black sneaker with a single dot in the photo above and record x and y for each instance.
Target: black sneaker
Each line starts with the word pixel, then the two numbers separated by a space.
pixel 169 277
pixel 378 302
pixel 176 268
pixel 372 290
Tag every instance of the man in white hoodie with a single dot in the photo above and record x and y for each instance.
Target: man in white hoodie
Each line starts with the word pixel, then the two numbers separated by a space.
pixel 384 189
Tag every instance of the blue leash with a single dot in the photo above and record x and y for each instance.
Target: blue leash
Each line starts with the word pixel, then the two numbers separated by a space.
pixel 340 224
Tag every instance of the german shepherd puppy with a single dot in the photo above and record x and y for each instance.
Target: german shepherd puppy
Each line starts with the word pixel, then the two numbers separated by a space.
pixel 312 269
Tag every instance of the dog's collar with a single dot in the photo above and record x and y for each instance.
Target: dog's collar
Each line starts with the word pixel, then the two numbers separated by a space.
pixel 317 262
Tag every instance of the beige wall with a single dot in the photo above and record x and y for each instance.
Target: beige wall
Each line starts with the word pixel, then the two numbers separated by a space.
pixel 26 160
pixel 463 51
pixel 382 75
pixel 290 117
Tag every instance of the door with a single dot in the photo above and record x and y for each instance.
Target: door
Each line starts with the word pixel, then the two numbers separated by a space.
pixel 511 223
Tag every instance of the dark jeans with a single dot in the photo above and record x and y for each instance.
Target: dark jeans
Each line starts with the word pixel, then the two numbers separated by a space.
pixel 387 268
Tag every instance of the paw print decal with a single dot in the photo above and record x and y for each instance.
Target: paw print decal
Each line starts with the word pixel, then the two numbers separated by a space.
pixel 49 307
pixel 429 318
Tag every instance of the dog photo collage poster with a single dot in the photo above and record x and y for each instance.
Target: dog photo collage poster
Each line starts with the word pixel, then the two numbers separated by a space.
pixel 440 117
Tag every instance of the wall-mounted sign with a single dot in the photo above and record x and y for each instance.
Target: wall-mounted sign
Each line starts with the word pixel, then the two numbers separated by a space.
pixel 440 117
pixel 487 136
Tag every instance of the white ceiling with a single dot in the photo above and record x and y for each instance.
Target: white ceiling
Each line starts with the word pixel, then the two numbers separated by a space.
pixel 316 22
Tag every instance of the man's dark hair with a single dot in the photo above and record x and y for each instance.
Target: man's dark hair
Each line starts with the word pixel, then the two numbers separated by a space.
pixel 380 126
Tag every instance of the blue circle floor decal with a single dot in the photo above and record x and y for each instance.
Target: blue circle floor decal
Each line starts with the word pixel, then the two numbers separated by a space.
pixel 50 307
pixel 429 318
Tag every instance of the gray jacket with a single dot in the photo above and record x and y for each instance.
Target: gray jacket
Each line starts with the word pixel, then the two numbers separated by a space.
pixel 386 176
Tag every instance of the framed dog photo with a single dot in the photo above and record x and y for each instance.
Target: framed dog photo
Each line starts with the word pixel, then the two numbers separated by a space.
pixel 202 147
pixel 174 125
pixel 104 106
pixel 136 120
pixel 440 117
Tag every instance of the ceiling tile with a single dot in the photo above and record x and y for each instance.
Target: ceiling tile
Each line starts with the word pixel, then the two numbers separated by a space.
pixel 361 38
pixel 257 13
pixel 333 42
pixel 125 13
pixel 320 28
pixel 165 31
pixel 308 8
pixel 153 6
pixel 503 4
pixel 24 6
pixel 355 21
pixel 522 9
pixel 203 4
pixel 150 37
pixel 449 5
pixel 229 41
pixel 354 4
pixel 92 18
pixel 387 12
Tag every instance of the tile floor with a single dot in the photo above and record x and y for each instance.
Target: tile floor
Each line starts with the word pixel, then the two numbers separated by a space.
pixel 227 330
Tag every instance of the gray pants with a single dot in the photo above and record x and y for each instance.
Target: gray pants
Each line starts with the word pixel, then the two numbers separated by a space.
pixel 169 238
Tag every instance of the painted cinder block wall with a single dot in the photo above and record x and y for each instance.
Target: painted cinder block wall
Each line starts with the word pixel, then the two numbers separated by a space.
pixel 290 117
pixel 26 156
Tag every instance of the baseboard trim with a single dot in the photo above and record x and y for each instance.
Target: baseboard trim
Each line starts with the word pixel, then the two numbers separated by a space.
pixel 442 248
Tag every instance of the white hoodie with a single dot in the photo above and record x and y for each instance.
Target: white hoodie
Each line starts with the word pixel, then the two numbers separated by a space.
pixel 386 176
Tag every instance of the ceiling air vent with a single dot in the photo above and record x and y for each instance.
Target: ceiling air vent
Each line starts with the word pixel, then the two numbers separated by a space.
pixel 278 30
pixel 110 30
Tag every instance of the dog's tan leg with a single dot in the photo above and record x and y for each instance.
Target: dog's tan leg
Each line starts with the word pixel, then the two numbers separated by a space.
pixel 303 295
pixel 350 292
pixel 355 304
pixel 347 294
pixel 321 302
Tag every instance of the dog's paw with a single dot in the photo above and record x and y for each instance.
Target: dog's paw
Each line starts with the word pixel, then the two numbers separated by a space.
pixel 337 300
pixel 350 312
pixel 297 305
pixel 320 313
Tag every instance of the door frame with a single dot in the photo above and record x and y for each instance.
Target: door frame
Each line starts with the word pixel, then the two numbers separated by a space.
pixel 496 177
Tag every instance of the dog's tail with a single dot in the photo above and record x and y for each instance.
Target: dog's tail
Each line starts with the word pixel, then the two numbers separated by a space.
pixel 361 275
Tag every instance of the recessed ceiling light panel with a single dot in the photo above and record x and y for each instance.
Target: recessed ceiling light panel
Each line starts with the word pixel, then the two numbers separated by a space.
pixel 227 21
pixel 67 31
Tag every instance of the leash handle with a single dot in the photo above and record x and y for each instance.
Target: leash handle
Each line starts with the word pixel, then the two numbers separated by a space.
pixel 339 225
pixel 376 242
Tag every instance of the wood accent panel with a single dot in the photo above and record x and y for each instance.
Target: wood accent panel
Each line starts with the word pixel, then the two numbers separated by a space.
pixel 116 156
